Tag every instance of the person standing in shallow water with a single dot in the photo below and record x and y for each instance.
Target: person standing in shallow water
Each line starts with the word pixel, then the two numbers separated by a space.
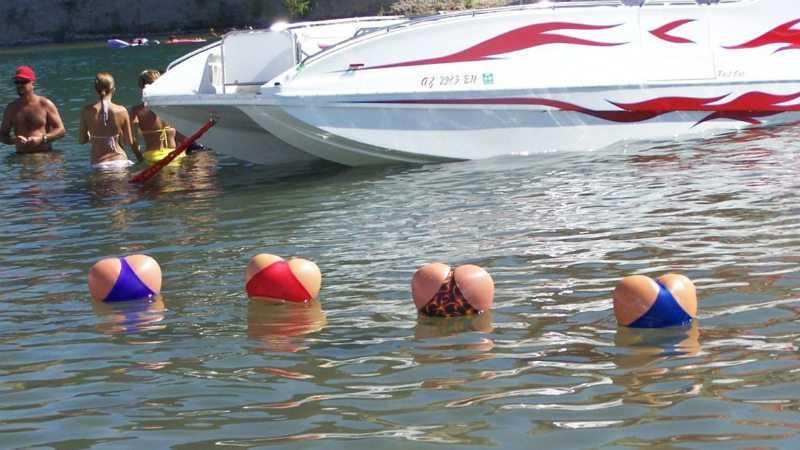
pixel 159 138
pixel 33 118
pixel 106 125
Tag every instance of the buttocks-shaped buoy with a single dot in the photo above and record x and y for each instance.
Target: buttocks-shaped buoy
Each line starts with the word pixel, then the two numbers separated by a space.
pixel 641 302
pixel 133 277
pixel 439 290
pixel 270 277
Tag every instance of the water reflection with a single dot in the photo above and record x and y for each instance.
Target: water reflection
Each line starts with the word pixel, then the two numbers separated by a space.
pixel 102 185
pixel 282 326
pixel 130 317
pixel 437 327
pixel 195 174
pixel 192 179
pixel 37 166
pixel 643 346
pixel 457 348
pixel 726 151
pixel 651 356
pixel 36 172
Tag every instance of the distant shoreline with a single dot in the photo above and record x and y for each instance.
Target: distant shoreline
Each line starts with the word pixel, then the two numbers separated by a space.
pixel 37 22
pixel 102 39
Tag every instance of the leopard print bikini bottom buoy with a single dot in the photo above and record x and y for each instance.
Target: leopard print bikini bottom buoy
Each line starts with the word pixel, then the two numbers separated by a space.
pixel 441 291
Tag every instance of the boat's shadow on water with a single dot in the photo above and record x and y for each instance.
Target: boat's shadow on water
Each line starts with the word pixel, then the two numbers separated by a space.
pixel 233 175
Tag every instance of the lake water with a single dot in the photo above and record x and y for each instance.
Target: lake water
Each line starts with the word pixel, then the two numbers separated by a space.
pixel 546 368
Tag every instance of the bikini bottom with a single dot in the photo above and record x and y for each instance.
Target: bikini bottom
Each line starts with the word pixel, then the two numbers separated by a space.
pixel 448 301
pixel 153 156
pixel 117 164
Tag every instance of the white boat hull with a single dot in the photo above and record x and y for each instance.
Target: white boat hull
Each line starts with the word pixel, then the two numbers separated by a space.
pixel 391 131
pixel 329 146
pixel 539 79
pixel 219 78
pixel 234 135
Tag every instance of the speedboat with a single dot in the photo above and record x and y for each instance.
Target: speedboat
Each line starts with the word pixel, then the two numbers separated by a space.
pixel 536 78
pixel 215 80
pixel 540 78
pixel 137 42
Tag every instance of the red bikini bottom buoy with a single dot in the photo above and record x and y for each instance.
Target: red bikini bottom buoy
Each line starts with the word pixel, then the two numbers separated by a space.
pixel 442 291
pixel 271 278
pixel 641 302
pixel 133 277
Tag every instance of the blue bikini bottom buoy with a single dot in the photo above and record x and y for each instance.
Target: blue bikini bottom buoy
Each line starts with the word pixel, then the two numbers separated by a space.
pixel 641 302
pixel 133 277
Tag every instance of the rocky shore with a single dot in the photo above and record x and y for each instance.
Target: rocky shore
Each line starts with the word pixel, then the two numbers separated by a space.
pixel 46 21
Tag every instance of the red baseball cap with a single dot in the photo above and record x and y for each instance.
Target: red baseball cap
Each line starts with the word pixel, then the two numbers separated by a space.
pixel 25 73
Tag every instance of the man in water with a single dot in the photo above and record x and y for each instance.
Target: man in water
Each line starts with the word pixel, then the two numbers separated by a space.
pixel 34 119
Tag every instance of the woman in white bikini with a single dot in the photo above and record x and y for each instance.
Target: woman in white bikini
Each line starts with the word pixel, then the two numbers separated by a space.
pixel 106 125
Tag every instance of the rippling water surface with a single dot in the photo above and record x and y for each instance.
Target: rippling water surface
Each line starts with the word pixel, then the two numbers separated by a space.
pixel 547 368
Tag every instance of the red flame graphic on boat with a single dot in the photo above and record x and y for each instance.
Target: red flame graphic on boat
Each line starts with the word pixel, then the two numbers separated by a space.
pixel 783 34
pixel 519 39
pixel 663 32
pixel 745 107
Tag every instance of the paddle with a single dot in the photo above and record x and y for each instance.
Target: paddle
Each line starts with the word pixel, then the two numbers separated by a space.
pixel 148 173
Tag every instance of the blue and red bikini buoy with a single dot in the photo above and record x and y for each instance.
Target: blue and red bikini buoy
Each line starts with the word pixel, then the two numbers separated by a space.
pixel 641 302
pixel 133 277
pixel 272 278
pixel 442 291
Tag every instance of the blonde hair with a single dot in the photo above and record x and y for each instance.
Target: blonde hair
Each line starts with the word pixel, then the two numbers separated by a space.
pixel 148 76
pixel 104 83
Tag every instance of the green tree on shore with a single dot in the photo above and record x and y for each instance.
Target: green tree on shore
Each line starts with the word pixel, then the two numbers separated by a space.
pixel 297 8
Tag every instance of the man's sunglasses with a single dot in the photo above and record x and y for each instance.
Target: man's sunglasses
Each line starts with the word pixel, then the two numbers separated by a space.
pixel 19 81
